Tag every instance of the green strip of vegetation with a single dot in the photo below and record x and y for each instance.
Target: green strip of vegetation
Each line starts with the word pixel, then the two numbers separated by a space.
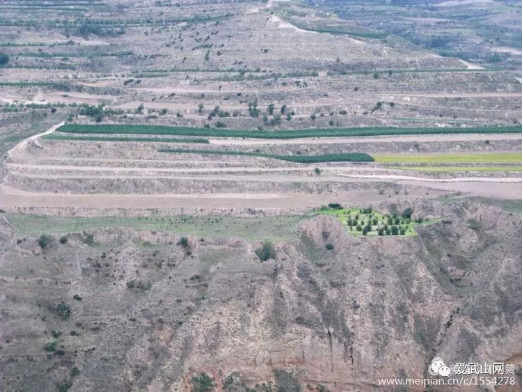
pixel 58 86
pixel 347 157
pixel 35 44
pixel 287 134
pixel 87 54
pixel 463 168
pixel 124 139
pixel 46 9
pixel 513 157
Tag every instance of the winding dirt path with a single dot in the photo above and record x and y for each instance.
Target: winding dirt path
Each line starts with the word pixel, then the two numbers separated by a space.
pixel 20 149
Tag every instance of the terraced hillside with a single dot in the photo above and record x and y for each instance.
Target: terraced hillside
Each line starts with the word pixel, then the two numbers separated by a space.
pixel 62 165
pixel 240 65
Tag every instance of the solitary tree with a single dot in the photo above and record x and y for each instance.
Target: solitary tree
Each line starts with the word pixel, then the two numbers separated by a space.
pixel 266 252
pixel 4 59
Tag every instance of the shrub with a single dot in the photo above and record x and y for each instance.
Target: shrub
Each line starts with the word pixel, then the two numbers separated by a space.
pixel 50 347
pixel 329 246
pixel 89 239
pixel 202 383
pixel 96 112
pixel 381 231
pixel 220 124
pixel 4 59
pixel 63 239
pixel 317 171
pixel 253 110
pixel 184 242
pixel 63 310
pixel 403 231
pixel 266 252
pixel 407 213
pixel 87 28
pixel 139 285
pixel 336 206
pixel 473 224
pixel 286 381
pixel 394 230
pixel 45 241
pixel 276 120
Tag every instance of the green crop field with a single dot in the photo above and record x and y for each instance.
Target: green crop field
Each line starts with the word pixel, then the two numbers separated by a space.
pixel 295 134
pixel 367 221
pixel 512 157
pixel 463 168
pixel 347 157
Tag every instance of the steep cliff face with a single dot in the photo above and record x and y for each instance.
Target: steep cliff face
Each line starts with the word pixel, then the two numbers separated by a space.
pixel 376 308
pixel 159 313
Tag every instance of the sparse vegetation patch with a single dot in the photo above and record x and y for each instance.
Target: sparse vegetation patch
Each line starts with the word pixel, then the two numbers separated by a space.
pixel 369 222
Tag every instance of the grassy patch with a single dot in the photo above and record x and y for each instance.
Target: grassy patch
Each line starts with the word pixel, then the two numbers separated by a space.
pixel 513 157
pixel 463 168
pixel 77 54
pixel 295 134
pixel 124 139
pixel 367 221
pixel 346 157
pixel 58 86
pixel 511 206
pixel 276 228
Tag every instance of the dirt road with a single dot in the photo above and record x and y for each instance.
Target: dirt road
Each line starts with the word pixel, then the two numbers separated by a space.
pixel 19 150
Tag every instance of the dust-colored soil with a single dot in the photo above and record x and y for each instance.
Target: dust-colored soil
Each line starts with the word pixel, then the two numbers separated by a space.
pixel 12 197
